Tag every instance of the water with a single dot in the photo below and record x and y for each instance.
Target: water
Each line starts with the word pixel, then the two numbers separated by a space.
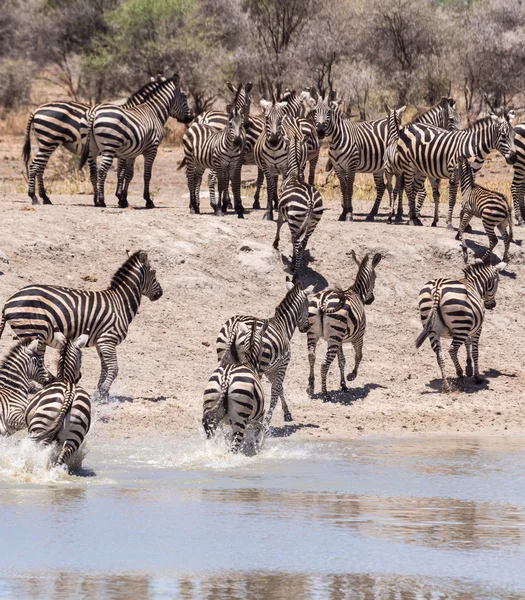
pixel 372 518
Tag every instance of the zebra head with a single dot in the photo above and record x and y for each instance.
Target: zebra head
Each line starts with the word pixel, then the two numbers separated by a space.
pixel 485 277
pixel 299 298
pixel 273 115
pixel 180 108
pixel 236 132
pixel 452 114
pixel 36 370
pixel 504 132
pixel 70 359
pixel 324 114
pixel 150 286
pixel 365 279
pixel 242 100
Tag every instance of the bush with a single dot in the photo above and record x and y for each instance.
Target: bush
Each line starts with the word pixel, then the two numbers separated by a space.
pixel 16 77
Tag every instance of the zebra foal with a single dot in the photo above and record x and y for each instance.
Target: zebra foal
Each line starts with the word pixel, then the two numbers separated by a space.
pixel 235 390
pixel 300 204
pixel 456 308
pixel 338 316
pixel 492 208
pixel 36 312
pixel 19 368
pixel 61 412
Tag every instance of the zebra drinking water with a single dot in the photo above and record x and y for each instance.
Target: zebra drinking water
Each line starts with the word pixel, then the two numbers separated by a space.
pixel 235 390
pixel 18 370
pixel 36 311
pixel 456 308
pixel 338 316
pixel 61 412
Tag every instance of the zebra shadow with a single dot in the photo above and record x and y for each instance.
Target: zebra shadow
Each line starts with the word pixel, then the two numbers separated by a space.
pixel 307 275
pixel 478 249
pixel 470 386
pixel 288 430
pixel 122 399
pixel 349 396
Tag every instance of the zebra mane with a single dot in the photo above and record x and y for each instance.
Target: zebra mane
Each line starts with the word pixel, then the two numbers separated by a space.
pixel 290 294
pixel 131 261
pixel 480 123
pixel 13 353
pixel 474 268
pixel 150 89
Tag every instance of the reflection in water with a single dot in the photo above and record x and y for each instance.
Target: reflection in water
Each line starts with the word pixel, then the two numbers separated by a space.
pixel 252 585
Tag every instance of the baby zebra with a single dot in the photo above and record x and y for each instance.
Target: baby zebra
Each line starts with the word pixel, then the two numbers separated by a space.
pixel 300 205
pixel 235 390
pixel 18 370
pixel 456 308
pixel 61 412
pixel 492 208
pixel 338 316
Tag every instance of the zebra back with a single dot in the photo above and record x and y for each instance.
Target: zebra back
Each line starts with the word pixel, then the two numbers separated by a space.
pixel 443 115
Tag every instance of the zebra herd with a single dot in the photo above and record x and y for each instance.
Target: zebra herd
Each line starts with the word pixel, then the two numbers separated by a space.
pixel 56 409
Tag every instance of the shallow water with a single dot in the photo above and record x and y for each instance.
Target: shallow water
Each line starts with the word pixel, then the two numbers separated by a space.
pixel 371 518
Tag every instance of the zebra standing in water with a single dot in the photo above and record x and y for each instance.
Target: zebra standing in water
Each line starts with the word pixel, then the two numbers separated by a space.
pixel 130 132
pixel 355 147
pixel 271 151
pixel 235 390
pixel 426 151
pixel 63 124
pixel 338 316
pixel 18 370
pixel 442 115
pixel 221 151
pixel 292 312
pixel 36 312
pixel 491 207
pixel 300 204
pixel 61 412
pixel 456 308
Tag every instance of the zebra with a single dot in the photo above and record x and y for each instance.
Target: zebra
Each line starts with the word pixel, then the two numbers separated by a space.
pixel 338 316
pixel 18 370
pixel 271 151
pixel 292 312
pixel 221 151
pixel 517 187
pixel 491 207
pixel 456 308
pixel 354 147
pixel 129 132
pixel 235 390
pixel 61 412
pixel 427 151
pixel 36 311
pixel 443 115
pixel 63 123
pixel 300 204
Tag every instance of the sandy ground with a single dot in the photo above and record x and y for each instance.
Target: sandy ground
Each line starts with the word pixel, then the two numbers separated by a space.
pixel 213 268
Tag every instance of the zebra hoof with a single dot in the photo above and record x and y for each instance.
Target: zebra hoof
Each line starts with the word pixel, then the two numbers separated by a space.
pixel 256 205
pixel 450 226
pixel 101 204
pixel 520 223
pixel 370 217
pixel 46 200
pixel 344 387
pixel 434 224
pixel 415 222
pixel 310 390
pixel 123 204
pixel 288 417
pixel 446 387
pixel 461 383
pixel 399 219
pixel 34 200
pixel 149 204
pixel 468 229
pixel 469 370
pixel 268 216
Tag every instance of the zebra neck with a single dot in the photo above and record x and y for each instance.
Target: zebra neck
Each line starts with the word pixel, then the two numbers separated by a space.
pixel 287 313
pixel 128 295
pixel 476 143
pixel 479 284
pixel 15 381
pixel 360 287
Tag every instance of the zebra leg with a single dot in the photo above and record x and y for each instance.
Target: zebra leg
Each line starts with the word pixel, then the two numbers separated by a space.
pixel 413 183
pixel 457 342
pixel 212 178
pixel 379 180
pixel 435 342
pixel 149 159
pixel 276 379
pixel 271 184
pixel 36 169
pixel 333 349
pixel 452 195
pixel 129 172
pixel 468 345
pixel 222 205
pixel 258 186
pixel 342 363
pixel 239 428
pixel 105 164
pixel 358 349
pixel 108 358
pixel 464 221
pixel 280 221
pixel 475 357
pixel 121 177
pixel 311 171
pixel 506 238
pixel 41 352
pixel 92 164
pixel 421 197
pixel 391 194
pixel 42 189
pixel 236 189
pixel 518 192
pixel 493 238
pixel 435 194
pixel 311 344
pixel 194 175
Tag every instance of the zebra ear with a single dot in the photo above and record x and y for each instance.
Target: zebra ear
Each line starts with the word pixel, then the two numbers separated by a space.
pixel 309 290
pixel 59 338
pixel 33 346
pixel 229 109
pixel 176 80
pixel 289 283
pixel 352 254
pixel 501 266
pixel 248 88
pixel 82 340
pixel 377 259
pixel 282 104
pixel 264 104
pixel 331 96
pixel 230 87
pixel 511 115
pixel 143 257
pixel 401 110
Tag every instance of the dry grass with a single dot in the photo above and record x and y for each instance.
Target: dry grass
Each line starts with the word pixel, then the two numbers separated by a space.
pixel 14 122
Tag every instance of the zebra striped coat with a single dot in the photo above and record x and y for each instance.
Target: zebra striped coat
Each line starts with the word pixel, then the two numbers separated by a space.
pixel 235 390
pixel 130 132
pixel 517 187
pixel 292 312
pixel 36 312
pixel 64 124
pixel 221 151
pixel 338 316
pixel 300 204
pixel 61 412
pixel 456 309
pixel 491 207
pixel 426 151
pixel 18 369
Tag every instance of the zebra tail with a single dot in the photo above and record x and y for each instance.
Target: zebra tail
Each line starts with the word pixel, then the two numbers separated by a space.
pixel 85 150
pixel 2 323
pixel 26 151
pixel 306 222
pixel 182 164
pixel 230 354
pixel 429 323
pixel 51 433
